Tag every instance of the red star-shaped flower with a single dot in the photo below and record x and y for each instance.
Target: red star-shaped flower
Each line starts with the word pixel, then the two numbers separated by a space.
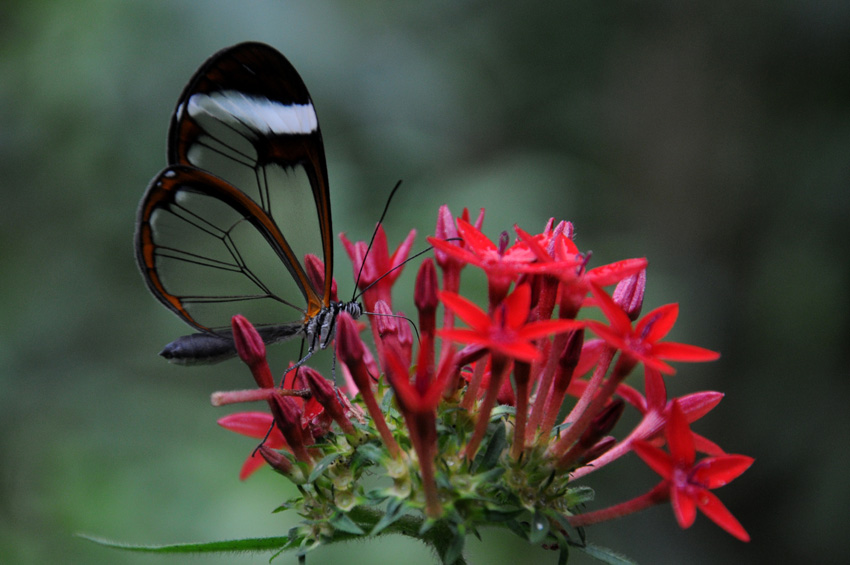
pixel 507 331
pixel 370 265
pixel 690 483
pixel 643 341
pixel 502 264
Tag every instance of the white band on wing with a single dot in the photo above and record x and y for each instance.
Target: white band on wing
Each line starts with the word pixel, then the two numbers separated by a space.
pixel 258 113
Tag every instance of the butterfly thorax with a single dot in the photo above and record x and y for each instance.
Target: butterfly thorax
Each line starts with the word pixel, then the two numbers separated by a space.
pixel 321 328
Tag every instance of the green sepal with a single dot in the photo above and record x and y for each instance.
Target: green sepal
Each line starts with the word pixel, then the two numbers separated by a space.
pixel 343 523
pixel 454 550
pixel 539 527
pixel 322 466
pixel 497 444
pixel 395 510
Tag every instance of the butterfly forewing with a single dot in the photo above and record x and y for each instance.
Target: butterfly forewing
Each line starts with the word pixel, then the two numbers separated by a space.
pixel 213 252
pixel 225 228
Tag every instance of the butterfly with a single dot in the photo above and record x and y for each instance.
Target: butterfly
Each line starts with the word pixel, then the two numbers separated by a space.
pixel 225 228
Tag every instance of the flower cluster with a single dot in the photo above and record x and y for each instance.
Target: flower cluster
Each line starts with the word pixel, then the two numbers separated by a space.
pixel 493 422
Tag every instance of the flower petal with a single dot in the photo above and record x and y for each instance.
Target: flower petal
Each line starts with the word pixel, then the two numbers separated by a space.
pixel 466 336
pixel 251 424
pixel 716 472
pixel 453 250
pixel 252 463
pixel 656 390
pixel 466 310
pixel 620 322
pixel 548 327
pixel 683 352
pixel 684 507
pixel 705 445
pixel 657 323
pixel 698 404
pixel 679 436
pixel 609 335
pixel 711 506
pixel 657 459
pixel 519 350
pixel 613 273
pixel 517 305
pixel 474 239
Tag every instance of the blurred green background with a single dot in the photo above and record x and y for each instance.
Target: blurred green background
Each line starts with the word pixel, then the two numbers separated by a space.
pixel 712 137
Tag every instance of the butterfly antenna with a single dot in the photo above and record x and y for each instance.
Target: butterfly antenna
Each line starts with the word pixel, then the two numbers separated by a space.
pixel 399 266
pixel 371 241
pixel 409 321
pixel 268 433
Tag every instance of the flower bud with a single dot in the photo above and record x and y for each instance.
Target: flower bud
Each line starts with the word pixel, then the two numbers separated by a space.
pixel 326 395
pixel 603 422
pixel 425 296
pixel 572 350
pixel 287 415
pixel 252 350
pixel 316 273
pixel 629 292
pixel 598 450
pixel 276 460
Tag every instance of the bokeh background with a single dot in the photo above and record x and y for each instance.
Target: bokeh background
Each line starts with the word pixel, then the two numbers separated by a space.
pixel 711 136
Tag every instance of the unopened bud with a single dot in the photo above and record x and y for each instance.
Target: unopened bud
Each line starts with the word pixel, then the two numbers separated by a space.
pixel 276 460
pixel 252 350
pixel 326 395
pixel 629 292
pixel 598 450
pixel 287 415
pixel 603 422
pixel 572 350
pixel 316 274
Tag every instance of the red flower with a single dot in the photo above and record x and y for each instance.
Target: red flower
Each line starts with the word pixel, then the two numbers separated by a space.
pixel 643 342
pixel 379 263
pixel 502 265
pixel 556 254
pixel 507 332
pixel 689 483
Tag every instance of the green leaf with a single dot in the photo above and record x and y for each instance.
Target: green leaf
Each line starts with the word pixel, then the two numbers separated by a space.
pixel 395 510
pixel 606 555
pixel 288 505
pixel 495 447
pixel 491 475
pixel 560 519
pixel 539 527
pixel 455 547
pixel 343 523
pixel 493 513
pixel 580 495
pixel 563 547
pixel 386 401
pixel 517 528
pixel 227 546
pixel 322 465
pixel 370 452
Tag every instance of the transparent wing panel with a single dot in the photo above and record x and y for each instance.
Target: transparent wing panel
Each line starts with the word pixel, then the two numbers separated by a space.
pixel 283 190
pixel 218 263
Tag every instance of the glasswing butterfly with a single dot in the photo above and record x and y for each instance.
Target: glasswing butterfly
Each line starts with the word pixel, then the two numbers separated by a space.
pixel 225 227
